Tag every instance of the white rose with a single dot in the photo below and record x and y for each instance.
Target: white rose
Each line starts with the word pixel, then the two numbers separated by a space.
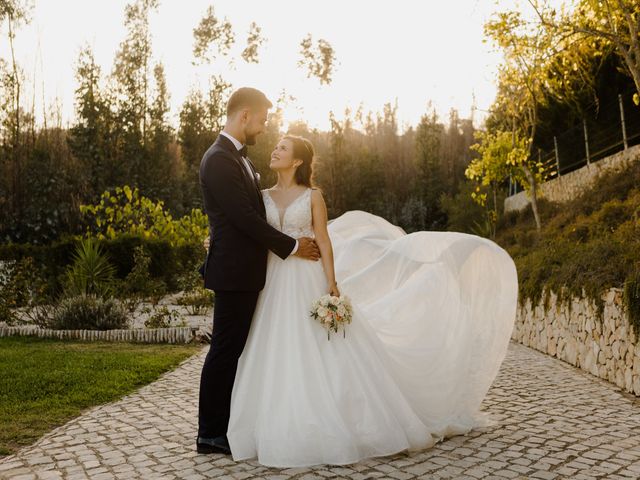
pixel 334 301
pixel 342 310
pixel 322 312
pixel 324 301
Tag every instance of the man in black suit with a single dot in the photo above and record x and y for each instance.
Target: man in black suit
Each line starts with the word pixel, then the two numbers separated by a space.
pixel 236 263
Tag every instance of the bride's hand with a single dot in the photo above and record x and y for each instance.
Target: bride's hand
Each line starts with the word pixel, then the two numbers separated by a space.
pixel 333 290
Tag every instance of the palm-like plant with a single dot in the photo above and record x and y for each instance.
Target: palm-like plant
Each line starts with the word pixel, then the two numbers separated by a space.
pixel 90 272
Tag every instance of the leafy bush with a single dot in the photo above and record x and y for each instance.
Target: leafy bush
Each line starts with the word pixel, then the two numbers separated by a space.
pixel 197 301
pixel 89 312
pixel 164 318
pixel 21 286
pixel 462 210
pixel 90 272
pixel 588 245
pixel 139 284
pixel 7 315
pixel 632 299
pixel 125 211
pixel 168 264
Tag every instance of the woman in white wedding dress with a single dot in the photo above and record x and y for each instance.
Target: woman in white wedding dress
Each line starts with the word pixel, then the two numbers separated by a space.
pixel 433 314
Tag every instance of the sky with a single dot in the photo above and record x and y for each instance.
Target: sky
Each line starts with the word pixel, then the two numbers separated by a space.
pixel 415 52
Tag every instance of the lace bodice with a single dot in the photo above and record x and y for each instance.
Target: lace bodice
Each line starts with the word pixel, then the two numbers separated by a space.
pixel 295 220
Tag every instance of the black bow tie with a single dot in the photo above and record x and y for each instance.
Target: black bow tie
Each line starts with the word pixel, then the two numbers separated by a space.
pixel 243 151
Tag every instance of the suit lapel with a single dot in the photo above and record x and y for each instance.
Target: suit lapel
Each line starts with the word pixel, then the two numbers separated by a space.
pixel 253 171
pixel 229 146
pixel 257 183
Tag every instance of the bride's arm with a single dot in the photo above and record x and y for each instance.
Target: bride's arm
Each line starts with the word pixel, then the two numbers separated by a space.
pixel 319 214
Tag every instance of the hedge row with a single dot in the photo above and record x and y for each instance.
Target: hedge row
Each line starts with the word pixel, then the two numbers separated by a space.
pixel 168 263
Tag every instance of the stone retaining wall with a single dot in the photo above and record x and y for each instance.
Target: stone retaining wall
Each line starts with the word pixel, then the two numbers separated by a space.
pixel 571 185
pixel 605 348
pixel 154 335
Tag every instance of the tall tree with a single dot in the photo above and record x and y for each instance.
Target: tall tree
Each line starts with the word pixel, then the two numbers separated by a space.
pixel 254 41
pixel 164 174
pixel 212 37
pixel 201 119
pixel 528 50
pixel 319 61
pixel 616 22
pixel 500 155
pixel 431 179
pixel 91 137
pixel 131 87
pixel 13 117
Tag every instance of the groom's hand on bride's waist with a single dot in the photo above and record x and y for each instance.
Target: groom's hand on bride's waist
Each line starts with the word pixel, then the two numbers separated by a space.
pixel 308 249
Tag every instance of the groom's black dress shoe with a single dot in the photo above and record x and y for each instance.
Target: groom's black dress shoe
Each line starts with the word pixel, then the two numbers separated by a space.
pixel 213 445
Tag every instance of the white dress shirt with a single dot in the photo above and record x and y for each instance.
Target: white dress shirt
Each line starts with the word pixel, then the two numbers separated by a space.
pixel 239 146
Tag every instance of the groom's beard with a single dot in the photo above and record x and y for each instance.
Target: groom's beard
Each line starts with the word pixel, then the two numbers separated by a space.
pixel 250 139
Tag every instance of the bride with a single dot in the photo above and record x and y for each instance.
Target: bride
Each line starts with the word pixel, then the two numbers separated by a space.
pixel 433 314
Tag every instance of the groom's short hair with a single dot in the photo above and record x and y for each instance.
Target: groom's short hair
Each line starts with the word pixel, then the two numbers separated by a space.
pixel 247 97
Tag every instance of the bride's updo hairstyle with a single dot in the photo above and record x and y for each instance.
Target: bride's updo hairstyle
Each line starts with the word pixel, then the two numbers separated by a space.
pixel 302 150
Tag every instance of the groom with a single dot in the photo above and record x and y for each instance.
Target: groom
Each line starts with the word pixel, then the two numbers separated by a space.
pixel 236 263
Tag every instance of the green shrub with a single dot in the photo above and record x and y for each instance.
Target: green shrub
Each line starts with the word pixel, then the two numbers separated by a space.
pixel 21 287
pixel 164 318
pixel 588 245
pixel 461 210
pixel 168 263
pixel 139 284
pixel 197 301
pixel 125 211
pixel 49 262
pixel 7 314
pixel 89 312
pixel 632 299
pixel 611 215
pixel 90 272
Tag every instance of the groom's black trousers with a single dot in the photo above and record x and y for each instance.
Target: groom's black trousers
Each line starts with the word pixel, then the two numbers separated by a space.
pixel 231 321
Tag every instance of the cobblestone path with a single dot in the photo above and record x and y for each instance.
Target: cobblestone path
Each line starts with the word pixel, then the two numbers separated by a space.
pixel 551 420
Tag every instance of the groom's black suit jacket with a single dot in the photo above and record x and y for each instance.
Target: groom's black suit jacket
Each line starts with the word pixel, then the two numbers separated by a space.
pixel 240 234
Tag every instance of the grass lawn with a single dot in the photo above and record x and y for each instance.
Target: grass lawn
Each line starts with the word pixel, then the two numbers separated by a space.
pixel 44 383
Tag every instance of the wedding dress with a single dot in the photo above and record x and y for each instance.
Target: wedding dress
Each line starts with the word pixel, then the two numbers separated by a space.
pixel 433 314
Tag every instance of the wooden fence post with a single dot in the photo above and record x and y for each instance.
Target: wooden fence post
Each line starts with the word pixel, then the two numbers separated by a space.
pixel 586 141
pixel 624 127
pixel 555 147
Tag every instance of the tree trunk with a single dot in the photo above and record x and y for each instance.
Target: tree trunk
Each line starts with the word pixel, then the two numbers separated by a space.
pixel 17 167
pixel 534 195
pixel 494 223
pixel 633 59
pixel 529 174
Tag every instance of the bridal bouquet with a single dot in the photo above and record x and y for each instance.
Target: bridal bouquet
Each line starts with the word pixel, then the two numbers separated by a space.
pixel 332 312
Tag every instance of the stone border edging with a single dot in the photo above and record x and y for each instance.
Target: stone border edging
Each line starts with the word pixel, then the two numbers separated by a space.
pixel 138 335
